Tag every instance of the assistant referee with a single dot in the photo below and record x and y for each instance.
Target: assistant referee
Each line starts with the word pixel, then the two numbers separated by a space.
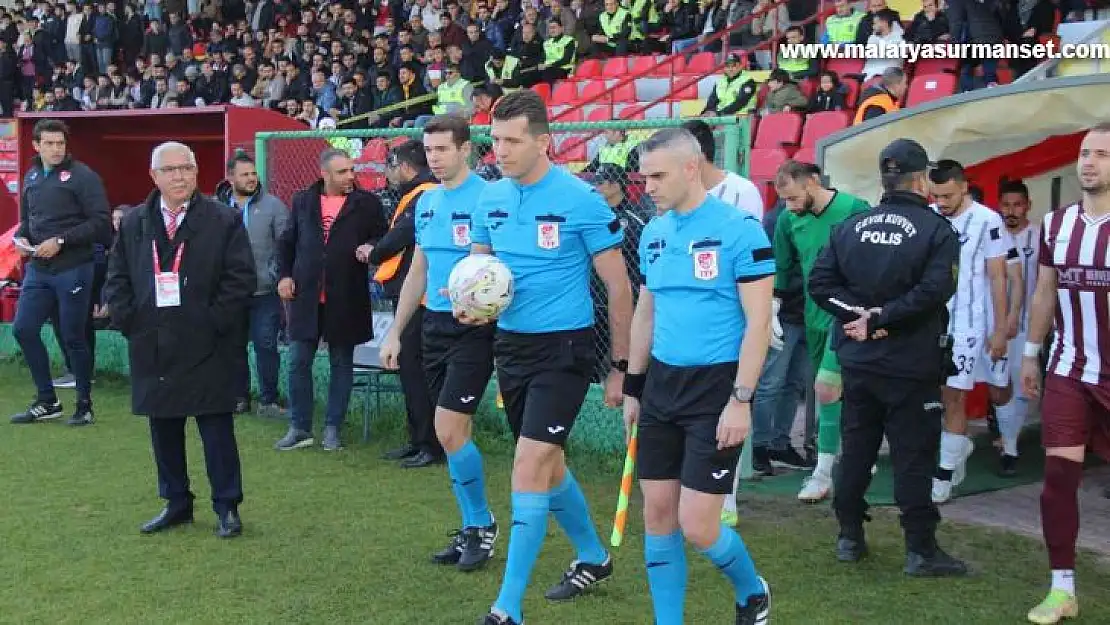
pixel 887 274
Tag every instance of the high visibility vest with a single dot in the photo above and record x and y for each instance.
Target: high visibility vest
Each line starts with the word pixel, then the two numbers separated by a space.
pixel 843 29
pixel 639 9
pixel 611 24
pixel 882 100
pixel 388 269
pixel 616 154
pixel 729 90
pixel 450 94
pixel 793 65
pixel 507 68
pixel 554 49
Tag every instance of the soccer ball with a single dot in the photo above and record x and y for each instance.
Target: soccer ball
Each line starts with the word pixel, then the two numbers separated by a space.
pixel 481 286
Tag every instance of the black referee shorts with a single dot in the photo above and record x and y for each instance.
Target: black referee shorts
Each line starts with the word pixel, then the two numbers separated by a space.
pixel 458 361
pixel 543 380
pixel 679 412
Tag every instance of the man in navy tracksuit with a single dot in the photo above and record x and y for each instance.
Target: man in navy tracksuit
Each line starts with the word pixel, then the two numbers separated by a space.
pixel 63 215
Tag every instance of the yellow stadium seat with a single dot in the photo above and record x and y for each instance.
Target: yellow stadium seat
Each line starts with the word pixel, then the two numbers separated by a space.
pixel 691 108
pixel 576 166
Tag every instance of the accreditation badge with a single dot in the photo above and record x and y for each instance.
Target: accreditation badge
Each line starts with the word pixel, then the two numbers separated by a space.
pixel 460 233
pixel 706 266
pixel 547 235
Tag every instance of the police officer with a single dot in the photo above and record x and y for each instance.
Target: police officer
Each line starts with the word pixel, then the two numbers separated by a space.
pixel 887 274
pixel 708 267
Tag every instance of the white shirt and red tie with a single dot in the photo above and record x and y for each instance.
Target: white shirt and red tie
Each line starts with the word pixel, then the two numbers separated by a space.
pixel 167 285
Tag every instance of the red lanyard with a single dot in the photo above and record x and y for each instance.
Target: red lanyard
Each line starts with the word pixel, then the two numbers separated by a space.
pixel 176 257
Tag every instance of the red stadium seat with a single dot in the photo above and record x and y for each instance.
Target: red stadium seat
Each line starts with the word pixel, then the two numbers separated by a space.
pixel 615 67
pixel 845 66
pixel 678 64
pixel 761 96
pixel 930 87
pixel 396 141
pixel 821 124
pixel 808 86
pixel 594 88
pixel 779 130
pixel 684 90
pixel 870 82
pixel 765 163
pixel 1005 75
pixel 700 64
pixel 936 66
pixel 600 114
pixel 770 196
pixel 565 92
pixel 850 85
pixel 806 155
pixel 634 111
pixel 569 116
pixel 572 148
pixel 544 91
pixel 637 65
pixel 625 93
pixel 590 68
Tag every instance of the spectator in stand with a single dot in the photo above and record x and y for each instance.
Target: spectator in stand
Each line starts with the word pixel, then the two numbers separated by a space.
pixel 240 97
pixel 529 49
pixel 105 35
pixel 411 88
pixel 560 51
pixel 477 51
pixel 351 103
pixel 385 94
pixel 930 25
pixel 619 150
pixel 783 94
pixel 866 25
pixel 483 98
pixel 771 22
pixel 160 96
pixel 644 15
pixel 738 11
pixel 841 27
pixel 882 98
pixel 1027 24
pixel 503 70
pixel 75 20
pixel 798 69
pixel 887 32
pixel 735 92
pixel 613 32
pixel 453 96
pixel 976 22
pixel 830 95
pixel 311 114
pixel 9 73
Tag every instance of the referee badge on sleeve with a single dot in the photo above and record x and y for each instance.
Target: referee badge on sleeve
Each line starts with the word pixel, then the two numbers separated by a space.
pixel 547 235
pixel 706 266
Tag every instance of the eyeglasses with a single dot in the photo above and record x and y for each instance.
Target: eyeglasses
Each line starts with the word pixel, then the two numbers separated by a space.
pixel 171 170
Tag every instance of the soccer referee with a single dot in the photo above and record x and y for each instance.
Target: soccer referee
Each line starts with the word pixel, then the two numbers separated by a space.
pixel 710 267
pixel 549 227
pixel 887 275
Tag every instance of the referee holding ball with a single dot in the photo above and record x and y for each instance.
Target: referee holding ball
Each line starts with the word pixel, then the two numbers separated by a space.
pixel 699 337
pixel 549 228
pixel 887 275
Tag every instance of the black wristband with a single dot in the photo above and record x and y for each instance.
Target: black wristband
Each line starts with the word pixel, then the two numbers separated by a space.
pixel 634 384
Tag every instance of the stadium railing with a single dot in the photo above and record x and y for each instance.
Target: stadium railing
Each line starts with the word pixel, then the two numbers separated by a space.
pixel 287 163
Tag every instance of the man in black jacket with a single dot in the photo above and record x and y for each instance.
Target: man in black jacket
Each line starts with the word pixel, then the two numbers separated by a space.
pixel 323 281
pixel 182 313
pixel 64 215
pixel 407 170
pixel 887 275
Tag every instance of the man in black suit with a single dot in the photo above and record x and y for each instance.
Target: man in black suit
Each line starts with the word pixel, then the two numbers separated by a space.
pixel 179 281
pixel 324 281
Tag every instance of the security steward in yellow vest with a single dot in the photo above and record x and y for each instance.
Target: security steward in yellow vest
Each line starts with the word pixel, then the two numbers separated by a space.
pixel 559 53
pixel 735 90
pixel 503 70
pixel 842 27
pixel 799 69
pixel 645 19
pixel 406 168
pixel 613 34
pixel 619 150
pixel 453 94
pixel 882 98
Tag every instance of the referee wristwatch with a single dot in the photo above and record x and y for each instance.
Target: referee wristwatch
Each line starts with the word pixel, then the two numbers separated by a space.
pixel 619 365
pixel 743 394
pixel 60 241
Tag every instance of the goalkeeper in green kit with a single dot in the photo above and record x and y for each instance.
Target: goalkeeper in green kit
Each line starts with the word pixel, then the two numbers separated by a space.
pixel 802 231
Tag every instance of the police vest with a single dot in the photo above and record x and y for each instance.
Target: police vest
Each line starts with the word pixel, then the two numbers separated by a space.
pixel 639 9
pixel 507 68
pixel 882 100
pixel 793 65
pixel 554 49
pixel 616 154
pixel 729 90
pixel 611 25
pixel 388 269
pixel 450 94
pixel 843 29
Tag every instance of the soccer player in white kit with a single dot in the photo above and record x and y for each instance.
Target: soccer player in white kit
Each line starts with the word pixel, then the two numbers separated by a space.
pixel 1013 201
pixel 978 341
